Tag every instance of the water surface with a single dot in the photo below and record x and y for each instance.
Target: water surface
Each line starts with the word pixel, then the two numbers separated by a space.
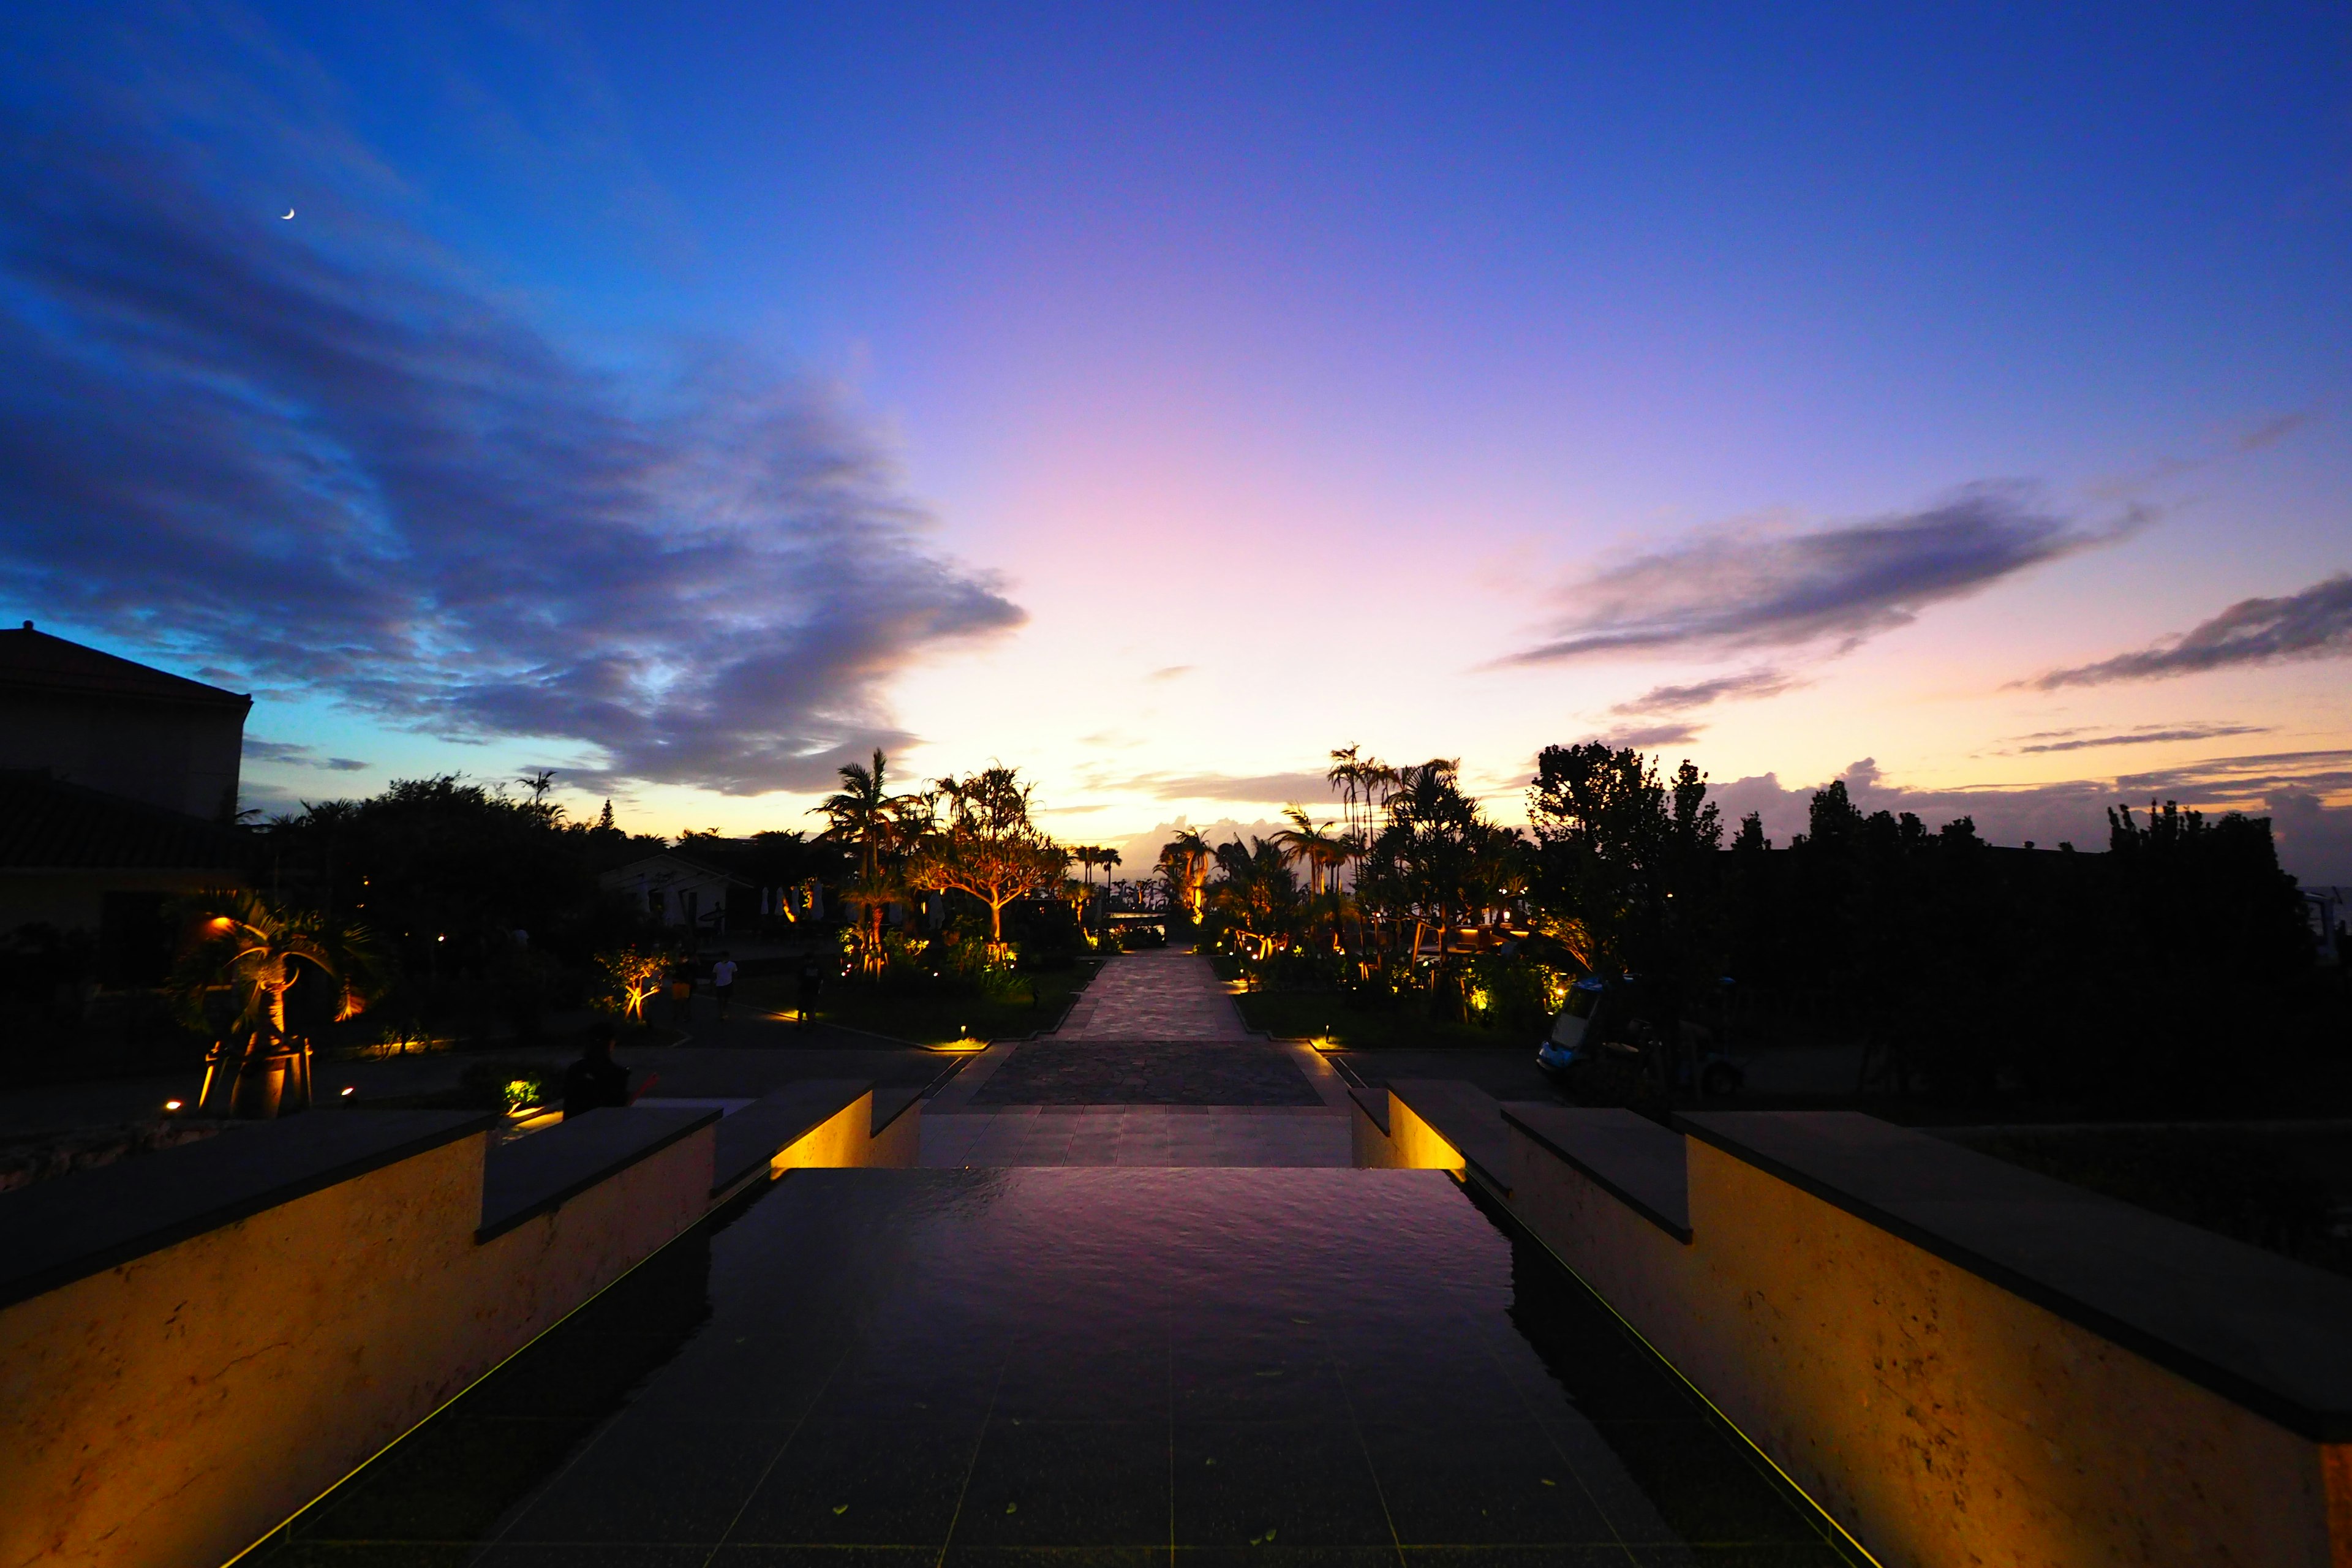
pixel 1078 1365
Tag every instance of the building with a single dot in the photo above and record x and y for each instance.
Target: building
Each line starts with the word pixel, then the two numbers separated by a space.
pixel 118 793
pixel 677 890
pixel 106 723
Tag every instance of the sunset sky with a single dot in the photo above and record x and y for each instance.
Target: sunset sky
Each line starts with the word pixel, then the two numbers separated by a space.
pixel 690 397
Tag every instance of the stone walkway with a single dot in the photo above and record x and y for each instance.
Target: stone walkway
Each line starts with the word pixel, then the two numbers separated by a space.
pixel 1170 996
pixel 1152 1067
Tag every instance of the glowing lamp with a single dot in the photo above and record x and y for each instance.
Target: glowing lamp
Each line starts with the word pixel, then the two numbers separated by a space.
pixel 170 1105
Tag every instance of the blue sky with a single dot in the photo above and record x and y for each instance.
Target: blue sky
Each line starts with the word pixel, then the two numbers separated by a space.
pixel 690 397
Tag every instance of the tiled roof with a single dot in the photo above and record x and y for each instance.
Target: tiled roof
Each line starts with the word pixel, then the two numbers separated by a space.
pixel 34 661
pixel 49 825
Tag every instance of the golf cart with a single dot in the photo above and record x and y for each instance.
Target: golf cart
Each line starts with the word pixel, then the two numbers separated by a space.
pixel 1592 1022
pixel 1600 1024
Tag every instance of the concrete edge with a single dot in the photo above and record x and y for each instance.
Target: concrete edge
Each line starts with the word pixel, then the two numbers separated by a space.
pixel 2320 1425
pixel 1679 1230
pixel 490 1230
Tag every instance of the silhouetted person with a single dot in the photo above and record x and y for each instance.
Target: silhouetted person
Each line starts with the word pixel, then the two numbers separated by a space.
pixel 681 992
pixel 596 1080
pixel 812 982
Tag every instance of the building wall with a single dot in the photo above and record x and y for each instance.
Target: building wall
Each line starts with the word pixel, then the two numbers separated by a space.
pixel 170 1411
pixel 75 899
pixel 182 757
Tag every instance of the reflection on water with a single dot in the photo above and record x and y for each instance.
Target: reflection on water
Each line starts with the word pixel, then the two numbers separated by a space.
pixel 1102 1362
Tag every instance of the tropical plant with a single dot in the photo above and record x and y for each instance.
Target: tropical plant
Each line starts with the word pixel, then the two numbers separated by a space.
pixel 880 828
pixel 1618 845
pixel 633 977
pixel 1431 863
pixel 256 951
pixel 984 844
pixel 1254 894
pixel 1108 858
pixel 1183 865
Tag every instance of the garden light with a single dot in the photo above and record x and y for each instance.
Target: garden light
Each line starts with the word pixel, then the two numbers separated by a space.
pixel 170 1105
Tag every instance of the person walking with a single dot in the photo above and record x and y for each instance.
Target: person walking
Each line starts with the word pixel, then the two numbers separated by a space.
pixel 722 983
pixel 811 981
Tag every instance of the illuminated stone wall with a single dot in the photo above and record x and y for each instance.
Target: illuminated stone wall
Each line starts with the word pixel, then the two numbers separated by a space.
pixel 173 1409
pixel 1944 1419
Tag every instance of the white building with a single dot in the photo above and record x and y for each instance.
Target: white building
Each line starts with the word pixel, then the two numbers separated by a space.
pixel 675 889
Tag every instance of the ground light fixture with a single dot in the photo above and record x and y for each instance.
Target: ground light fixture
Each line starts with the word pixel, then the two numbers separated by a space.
pixel 963 1044
pixel 170 1105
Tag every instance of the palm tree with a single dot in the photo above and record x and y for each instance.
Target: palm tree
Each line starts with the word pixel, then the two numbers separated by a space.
pixel 865 814
pixel 1305 841
pixel 256 950
pixel 1108 858
pixel 1347 776
pixel 1255 893
pixel 1184 862
pixel 1308 841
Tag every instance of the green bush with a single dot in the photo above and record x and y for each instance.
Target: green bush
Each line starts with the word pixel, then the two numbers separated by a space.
pixel 505 1084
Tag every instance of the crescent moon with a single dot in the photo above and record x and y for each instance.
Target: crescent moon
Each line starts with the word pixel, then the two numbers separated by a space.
pixel 290 213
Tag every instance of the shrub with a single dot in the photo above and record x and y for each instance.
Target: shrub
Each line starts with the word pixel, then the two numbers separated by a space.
pixel 505 1084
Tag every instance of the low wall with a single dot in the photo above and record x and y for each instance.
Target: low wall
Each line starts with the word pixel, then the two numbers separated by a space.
pixel 1961 1362
pixel 195 1343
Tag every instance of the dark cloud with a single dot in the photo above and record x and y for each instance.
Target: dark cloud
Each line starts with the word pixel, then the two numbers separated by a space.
pixel 1754 683
pixel 2315 624
pixel 2270 432
pixel 331 461
pixel 2048 741
pixel 1249 788
pixel 1835 585
pixel 1656 735
pixel 297 755
pixel 2239 779
pixel 2314 839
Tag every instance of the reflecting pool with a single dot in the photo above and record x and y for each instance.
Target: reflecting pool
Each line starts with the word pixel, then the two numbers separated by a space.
pixel 1072 1365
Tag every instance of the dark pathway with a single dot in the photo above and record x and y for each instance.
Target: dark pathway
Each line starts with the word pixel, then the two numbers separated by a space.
pixel 1138 1368
pixel 1148 1072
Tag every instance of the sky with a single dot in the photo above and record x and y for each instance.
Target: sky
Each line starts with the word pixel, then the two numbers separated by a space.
pixel 692 398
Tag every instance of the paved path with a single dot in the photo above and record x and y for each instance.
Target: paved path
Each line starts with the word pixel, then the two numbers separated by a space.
pixel 1152 1067
pixel 1170 996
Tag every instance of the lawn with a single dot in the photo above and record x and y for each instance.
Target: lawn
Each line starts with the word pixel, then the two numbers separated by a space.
pixel 1304 1015
pixel 931 1020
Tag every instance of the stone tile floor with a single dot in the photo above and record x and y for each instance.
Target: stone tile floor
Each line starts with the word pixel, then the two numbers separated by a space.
pixel 1133 1072
pixel 1169 996
pixel 1139 1135
pixel 1105 1091
pixel 937 1368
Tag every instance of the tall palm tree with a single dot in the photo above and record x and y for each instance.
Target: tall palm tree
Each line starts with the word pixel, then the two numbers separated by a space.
pixel 864 813
pixel 1345 776
pixel 1184 862
pixel 1108 858
pixel 1307 842
pixel 256 950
